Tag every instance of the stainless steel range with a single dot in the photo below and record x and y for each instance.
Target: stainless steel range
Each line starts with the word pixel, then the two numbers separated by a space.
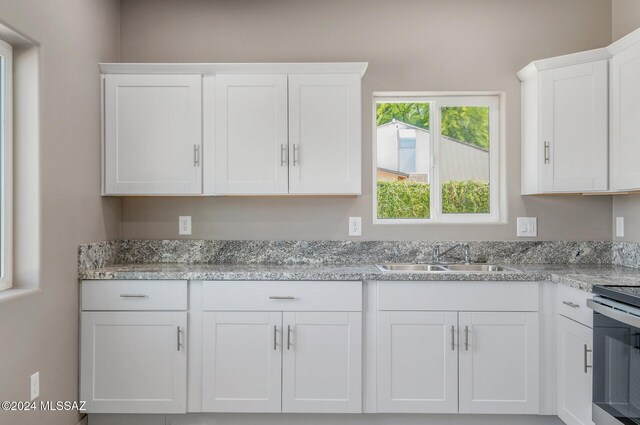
pixel 616 355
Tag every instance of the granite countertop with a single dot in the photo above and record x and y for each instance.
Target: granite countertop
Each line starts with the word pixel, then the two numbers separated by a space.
pixel 578 276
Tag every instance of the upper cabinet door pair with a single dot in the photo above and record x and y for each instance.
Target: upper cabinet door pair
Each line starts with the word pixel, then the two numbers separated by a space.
pixel 296 133
pixel 265 134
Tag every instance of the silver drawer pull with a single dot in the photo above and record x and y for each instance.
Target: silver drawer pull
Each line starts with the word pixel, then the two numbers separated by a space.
pixel 587 366
pixel 288 337
pixel 453 338
pixel 466 338
pixel 133 296
pixel 570 304
pixel 281 298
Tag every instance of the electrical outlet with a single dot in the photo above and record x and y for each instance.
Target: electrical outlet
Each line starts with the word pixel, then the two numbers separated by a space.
pixel 35 386
pixel 527 227
pixel 355 226
pixel 620 227
pixel 184 225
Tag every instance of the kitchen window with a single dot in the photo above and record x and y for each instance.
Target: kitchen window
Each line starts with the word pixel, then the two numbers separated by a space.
pixel 437 158
pixel 6 169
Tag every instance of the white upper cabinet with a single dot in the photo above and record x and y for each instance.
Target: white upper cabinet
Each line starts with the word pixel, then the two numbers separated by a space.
pixel 565 126
pixel 625 113
pixel 324 134
pixel 152 134
pixel 232 129
pixel 251 134
pixel 574 116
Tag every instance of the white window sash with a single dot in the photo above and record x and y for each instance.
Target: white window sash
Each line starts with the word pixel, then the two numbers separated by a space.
pixel 6 177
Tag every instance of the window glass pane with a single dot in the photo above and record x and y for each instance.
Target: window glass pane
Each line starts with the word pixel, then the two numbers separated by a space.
pixel 464 159
pixel 403 148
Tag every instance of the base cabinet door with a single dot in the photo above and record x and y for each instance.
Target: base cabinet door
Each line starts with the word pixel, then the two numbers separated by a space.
pixel 574 372
pixel 241 361
pixel 324 134
pixel 134 362
pixel 499 362
pixel 152 134
pixel 417 362
pixel 322 362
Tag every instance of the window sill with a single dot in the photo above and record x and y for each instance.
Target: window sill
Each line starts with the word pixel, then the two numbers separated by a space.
pixel 13 293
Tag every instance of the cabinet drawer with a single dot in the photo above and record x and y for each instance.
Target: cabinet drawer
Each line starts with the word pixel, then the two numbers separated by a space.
pixel 458 296
pixel 134 295
pixel 572 303
pixel 282 296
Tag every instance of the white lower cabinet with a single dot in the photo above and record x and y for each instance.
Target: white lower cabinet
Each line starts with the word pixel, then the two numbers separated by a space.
pixel 574 372
pixel 282 362
pixel 417 362
pixel 134 362
pixel 499 362
pixel 322 362
pixel 241 361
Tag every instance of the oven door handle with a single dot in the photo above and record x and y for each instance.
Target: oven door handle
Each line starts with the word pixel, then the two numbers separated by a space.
pixel 618 314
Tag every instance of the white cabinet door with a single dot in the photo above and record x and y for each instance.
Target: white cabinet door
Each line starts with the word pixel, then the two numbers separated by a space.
pixel 574 376
pixel 134 362
pixel 417 362
pixel 241 361
pixel 625 111
pixel 251 134
pixel 152 134
pixel 499 362
pixel 324 134
pixel 574 128
pixel 322 362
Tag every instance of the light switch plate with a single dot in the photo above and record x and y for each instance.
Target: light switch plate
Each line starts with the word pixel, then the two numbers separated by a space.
pixel 355 226
pixel 620 227
pixel 184 225
pixel 35 386
pixel 527 227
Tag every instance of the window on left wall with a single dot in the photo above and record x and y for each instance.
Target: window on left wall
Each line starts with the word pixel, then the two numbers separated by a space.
pixel 6 165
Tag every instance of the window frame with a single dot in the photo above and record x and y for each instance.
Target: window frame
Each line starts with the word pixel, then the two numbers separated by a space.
pixel 497 197
pixel 6 174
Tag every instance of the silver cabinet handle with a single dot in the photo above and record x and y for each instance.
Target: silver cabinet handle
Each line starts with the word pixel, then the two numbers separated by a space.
pixel 295 155
pixel 283 156
pixel 275 338
pixel 453 338
pixel 277 297
pixel 196 155
pixel 133 296
pixel 179 339
pixel 586 358
pixel 288 337
pixel 466 338
pixel 570 304
pixel 547 152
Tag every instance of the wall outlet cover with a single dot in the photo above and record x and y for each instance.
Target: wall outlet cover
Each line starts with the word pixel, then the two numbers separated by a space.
pixel 527 227
pixel 355 226
pixel 35 386
pixel 184 225
pixel 620 227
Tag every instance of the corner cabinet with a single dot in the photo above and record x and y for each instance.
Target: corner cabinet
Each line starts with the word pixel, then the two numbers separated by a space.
pixel 232 129
pixel 565 128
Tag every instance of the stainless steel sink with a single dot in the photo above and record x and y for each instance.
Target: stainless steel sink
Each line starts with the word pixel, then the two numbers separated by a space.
pixel 411 268
pixel 483 268
pixel 461 268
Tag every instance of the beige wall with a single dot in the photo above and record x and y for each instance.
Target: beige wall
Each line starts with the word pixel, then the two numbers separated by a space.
pixel 39 332
pixel 410 45
pixel 626 18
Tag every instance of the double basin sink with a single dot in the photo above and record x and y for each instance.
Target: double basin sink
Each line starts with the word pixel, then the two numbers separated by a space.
pixel 434 268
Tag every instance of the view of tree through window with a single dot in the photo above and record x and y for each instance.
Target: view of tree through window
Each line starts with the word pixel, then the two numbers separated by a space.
pixel 405 147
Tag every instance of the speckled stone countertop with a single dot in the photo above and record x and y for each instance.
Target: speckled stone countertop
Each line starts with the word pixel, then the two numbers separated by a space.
pixel 578 276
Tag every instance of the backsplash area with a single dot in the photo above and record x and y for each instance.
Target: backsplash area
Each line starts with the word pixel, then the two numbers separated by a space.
pixel 102 254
